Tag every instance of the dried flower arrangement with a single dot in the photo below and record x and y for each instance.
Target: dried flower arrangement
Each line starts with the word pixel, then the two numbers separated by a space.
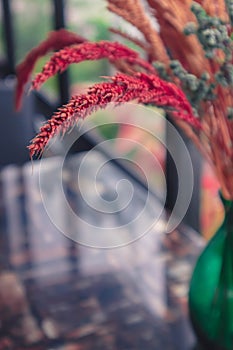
pixel 188 71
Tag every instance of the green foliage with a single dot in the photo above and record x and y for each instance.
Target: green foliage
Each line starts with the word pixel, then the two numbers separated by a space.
pixel 196 89
pixel 109 131
pixel 32 22
pixel 213 35
pixel 229 5
pixel 211 32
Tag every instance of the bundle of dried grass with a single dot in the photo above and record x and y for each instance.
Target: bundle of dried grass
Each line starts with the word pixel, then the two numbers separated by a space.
pixel 190 58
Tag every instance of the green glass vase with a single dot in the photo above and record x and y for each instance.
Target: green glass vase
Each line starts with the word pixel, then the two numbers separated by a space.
pixel 211 288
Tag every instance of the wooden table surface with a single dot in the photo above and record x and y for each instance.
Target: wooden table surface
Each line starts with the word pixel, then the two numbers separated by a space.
pixel 60 289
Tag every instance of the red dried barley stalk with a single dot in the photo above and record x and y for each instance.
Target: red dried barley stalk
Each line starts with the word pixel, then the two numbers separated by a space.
pixel 143 88
pixel 55 41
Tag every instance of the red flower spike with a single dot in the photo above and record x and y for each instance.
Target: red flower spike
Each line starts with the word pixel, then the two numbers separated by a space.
pixel 142 87
pixel 55 41
pixel 88 51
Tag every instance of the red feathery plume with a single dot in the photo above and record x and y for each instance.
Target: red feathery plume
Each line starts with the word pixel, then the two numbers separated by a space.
pixel 55 41
pixel 88 51
pixel 142 87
